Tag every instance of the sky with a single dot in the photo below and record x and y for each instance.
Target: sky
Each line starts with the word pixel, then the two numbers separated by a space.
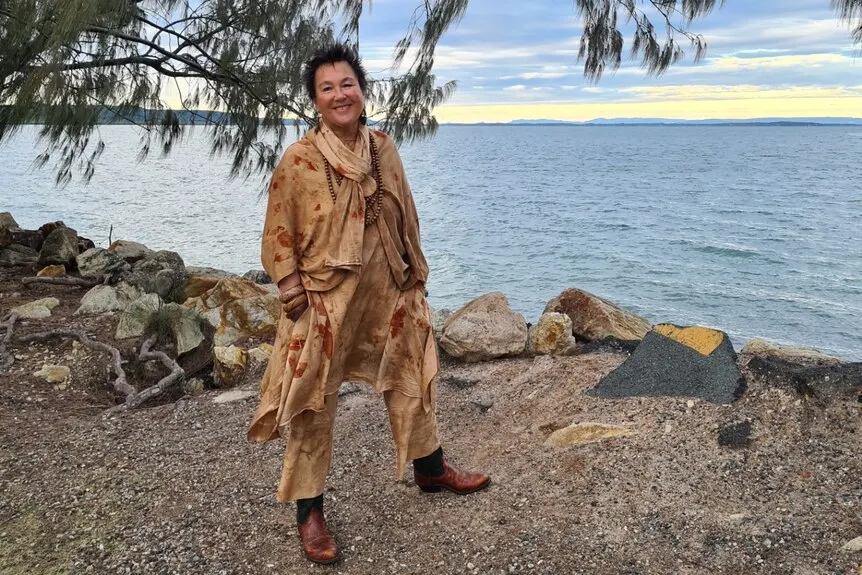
pixel 518 60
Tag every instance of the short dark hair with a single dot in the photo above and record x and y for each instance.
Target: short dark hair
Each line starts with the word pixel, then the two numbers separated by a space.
pixel 331 54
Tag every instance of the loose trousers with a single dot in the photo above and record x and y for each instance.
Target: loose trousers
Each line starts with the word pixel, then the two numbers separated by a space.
pixel 308 454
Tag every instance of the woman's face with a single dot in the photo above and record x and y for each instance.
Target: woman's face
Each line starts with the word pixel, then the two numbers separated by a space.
pixel 338 96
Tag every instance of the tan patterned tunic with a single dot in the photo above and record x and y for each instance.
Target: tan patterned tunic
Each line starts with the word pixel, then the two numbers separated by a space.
pixel 373 326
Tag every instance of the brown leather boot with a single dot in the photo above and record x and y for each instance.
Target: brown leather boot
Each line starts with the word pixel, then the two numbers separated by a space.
pixel 453 479
pixel 317 542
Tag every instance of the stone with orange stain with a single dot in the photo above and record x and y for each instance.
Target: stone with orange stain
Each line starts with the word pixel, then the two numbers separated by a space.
pixel 55 271
pixel 230 364
pixel 552 335
pixel 239 309
pixel 594 318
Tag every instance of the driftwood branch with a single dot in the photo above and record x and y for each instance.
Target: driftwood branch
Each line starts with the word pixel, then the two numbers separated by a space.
pixel 121 384
pixel 78 282
pixel 177 373
pixel 6 358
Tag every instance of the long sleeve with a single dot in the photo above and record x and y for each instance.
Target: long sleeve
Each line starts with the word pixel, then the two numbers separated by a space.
pixel 278 250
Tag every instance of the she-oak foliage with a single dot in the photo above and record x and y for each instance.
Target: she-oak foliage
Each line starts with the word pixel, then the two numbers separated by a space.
pixel 69 65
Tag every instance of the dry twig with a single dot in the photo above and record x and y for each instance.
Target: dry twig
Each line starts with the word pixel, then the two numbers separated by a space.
pixel 176 375
pixel 121 384
pixel 9 324
pixel 77 282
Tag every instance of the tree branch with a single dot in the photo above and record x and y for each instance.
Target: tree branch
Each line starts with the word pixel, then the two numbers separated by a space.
pixel 77 282
pixel 176 375
pixel 121 384
pixel 9 324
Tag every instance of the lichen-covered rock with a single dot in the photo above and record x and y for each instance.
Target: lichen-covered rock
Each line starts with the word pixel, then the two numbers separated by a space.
pixel 230 364
pixel 162 273
pixel 59 247
pixel 106 299
pixel 201 280
pixel 130 251
pixel 185 325
pixel 261 353
pixel 138 316
pixel 484 329
pixel 594 318
pixel 38 309
pixel 53 373
pixel 552 335
pixel 238 309
pixel 100 263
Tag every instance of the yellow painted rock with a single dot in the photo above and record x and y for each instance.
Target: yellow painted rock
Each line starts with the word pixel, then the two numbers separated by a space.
pixel 701 339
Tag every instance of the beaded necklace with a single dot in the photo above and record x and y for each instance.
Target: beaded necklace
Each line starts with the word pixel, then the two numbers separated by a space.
pixel 372 202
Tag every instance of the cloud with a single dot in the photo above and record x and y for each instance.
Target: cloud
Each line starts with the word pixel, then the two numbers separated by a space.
pixel 738 92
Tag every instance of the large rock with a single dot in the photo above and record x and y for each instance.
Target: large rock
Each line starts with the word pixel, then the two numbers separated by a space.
pixel 677 361
pixel 238 309
pixel 7 221
pixel 201 280
pixel 138 316
pixel 17 255
pixel 257 276
pixel 33 239
pixel 552 335
pixel 230 364
pixel 162 273
pixel 484 329
pixel 60 247
pixel 594 318
pixel 766 348
pixel 106 299
pixel 7 226
pixel 438 320
pixel 38 309
pixel 130 251
pixel 99 263
pixel 185 326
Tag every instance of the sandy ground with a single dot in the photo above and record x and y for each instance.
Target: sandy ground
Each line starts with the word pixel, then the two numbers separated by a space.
pixel 176 488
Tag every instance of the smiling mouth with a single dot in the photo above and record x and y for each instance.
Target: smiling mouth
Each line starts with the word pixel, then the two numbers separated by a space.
pixel 343 108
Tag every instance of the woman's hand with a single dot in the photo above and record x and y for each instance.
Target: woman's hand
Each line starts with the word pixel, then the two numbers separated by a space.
pixel 294 298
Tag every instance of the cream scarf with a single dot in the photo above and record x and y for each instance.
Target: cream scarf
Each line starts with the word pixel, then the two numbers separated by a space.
pixel 347 220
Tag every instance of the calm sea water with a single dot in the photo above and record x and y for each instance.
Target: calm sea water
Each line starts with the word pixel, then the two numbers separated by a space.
pixel 752 230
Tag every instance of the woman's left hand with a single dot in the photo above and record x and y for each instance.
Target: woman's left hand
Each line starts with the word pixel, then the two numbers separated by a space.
pixel 294 302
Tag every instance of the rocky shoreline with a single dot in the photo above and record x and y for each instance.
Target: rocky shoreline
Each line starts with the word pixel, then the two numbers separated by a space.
pixel 747 460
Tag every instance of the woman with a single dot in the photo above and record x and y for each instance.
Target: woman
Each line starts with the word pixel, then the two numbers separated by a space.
pixel 341 240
